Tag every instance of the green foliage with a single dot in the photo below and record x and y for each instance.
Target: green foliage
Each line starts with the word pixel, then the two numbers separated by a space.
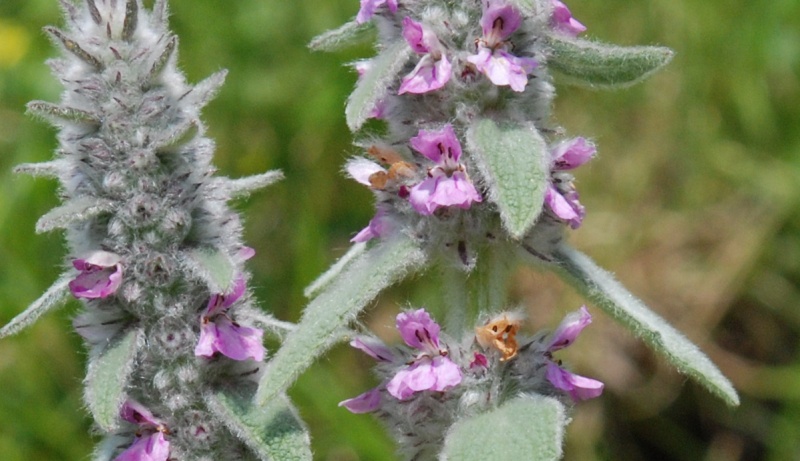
pixel 515 162
pixel 527 428
pixel 54 297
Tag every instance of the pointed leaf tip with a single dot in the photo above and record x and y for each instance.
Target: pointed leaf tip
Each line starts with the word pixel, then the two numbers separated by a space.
pixel 55 296
pixel 348 34
pixel 131 20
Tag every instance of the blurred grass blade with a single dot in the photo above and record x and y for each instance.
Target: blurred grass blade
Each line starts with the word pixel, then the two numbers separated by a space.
pixel 343 36
pixel 601 288
pixel 330 275
pixel 54 297
pixel 340 302
pixel 373 85
pixel 73 211
pixel 514 161
pixel 106 377
pixel 274 431
pixel 527 428
pixel 605 66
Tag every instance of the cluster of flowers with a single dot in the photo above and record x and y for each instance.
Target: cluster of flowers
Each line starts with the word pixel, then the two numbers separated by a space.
pixel 428 366
pixel 492 58
pixel 101 275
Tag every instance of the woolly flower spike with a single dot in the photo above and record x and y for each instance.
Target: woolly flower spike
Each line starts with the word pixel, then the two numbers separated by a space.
pixel 369 7
pixel 431 370
pixel 498 22
pixel 434 69
pixel 578 387
pixel 561 196
pixel 101 275
pixel 447 183
pixel 563 21
pixel 218 333
pixel 150 443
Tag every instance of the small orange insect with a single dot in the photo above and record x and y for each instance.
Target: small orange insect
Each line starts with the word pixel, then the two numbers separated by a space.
pixel 501 333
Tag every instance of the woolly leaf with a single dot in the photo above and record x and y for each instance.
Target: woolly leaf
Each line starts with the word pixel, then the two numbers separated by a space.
pixel 374 84
pixel 274 431
pixel 514 161
pixel 54 297
pixel 606 66
pixel 73 211
pixel 131 20
pixel 162 59
pixel 106 377
pixel 347 34
pixel 177 135
pixel 527 428
pixel 204 92
pixel 51 169
pixel 57 114
pixel 94 12
pixel 330 275
pixel 214 266
pixel 242 187
pixel 337 305
pixel 607 293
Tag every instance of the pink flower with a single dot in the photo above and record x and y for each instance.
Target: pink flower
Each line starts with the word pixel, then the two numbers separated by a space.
pixel 364 403
pixel 578 387
pixel 563 21
pixel 498 22
pixel 434 69
pixel 447 183
pixel 369 7
pixel 432 369
pixel 101 275
pixel 218 333
pixel 378 226
pixel 561 196
pixel 150 443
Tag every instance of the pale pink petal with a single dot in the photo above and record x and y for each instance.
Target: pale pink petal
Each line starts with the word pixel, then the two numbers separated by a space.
pixel 246 253
pixel 503 68
pixel 569 329
pixel 578 387
pixel 364 403
pixel 429 75
pixel 230 339
pixel 414 34
pixel 369 7
pixel 456 190
pixel 563 21
pixel 447 373
pixel 420 196
pixel 379 226
pixel 100 277
pixel 154 447
pixel 572 153
pixel 361 169
pixel 136 413
pixel 559 205
pixel 438 145
pixel 373 347
pixel 418 330
pixel 499 21
pixel 417 377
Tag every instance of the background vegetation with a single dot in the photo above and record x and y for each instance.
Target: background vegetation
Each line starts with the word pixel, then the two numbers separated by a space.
pixel 693 202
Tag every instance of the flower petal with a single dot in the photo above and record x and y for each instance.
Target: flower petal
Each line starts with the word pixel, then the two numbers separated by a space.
pixel 563 21
pixel 100 277
pixel 154 447
pixel 572 153
pixel 373 347
pixel 369 7
pixel 364 403
pixel 429 75
pixel 569 329
pixel 560 206
pixel 136 413
pixel 447 373
pixel 503 68
pixel 499 21
pixel 229 339
pixel 438 145
pixel 578 387
pixel 361 169
pixel 418 330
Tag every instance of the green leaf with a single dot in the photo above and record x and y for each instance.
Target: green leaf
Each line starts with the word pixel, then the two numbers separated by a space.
pixel 106 377
pixel 73 211
pixel 601 288
pixel 345 35
pixel 54 297
pixel 214 266
pixel 527 428
pixel 514 162
pixel 374 84
pixel 58 115
pixel 242 187
pixel 606 66
pixel 328 276
pixel 340 302
pixel 274 431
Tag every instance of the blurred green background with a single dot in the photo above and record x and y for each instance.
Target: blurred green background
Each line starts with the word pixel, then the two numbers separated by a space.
pixel 693 202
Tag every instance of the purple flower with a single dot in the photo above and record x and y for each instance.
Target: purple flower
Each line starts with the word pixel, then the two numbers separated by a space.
pixel 378 226
pixel 563 21
pixel 369 7
pixel 578 387
pixel 434 69
pixel 447 183
pixel 150 443
pixel 498 22
pixel 432 369
pixel 218 333
pixel 101 275
pixel 561 196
